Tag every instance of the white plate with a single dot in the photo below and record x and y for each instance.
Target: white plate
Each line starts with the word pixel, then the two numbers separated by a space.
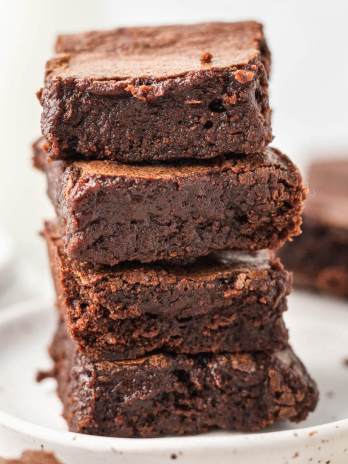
pixel 30 412
pixel 6 260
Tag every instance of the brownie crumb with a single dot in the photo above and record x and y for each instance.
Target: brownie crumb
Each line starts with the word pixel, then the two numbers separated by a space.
pixel 33 457
pixel 43 375
pixel 143 93
pixel 230 99
pixel 173 456
pixel 243 76
pixel 206 58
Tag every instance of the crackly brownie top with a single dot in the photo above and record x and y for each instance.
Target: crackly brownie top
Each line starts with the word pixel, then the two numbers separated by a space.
pixel 328 198
pixel 239 165
pixel 248 363
pixel 159 52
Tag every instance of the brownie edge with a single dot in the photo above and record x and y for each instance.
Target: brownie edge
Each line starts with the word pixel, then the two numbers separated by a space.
pixel 176 395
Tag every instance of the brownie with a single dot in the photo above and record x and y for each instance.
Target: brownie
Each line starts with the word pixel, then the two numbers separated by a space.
pixel 319 257
pixel 32 457
pixel 111 212
pixel 157 93
pixel 165 394
pixel 227 302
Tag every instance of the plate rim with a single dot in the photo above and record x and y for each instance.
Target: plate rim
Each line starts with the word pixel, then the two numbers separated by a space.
pixel 101 444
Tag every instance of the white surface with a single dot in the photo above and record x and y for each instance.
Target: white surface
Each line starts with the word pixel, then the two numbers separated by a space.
pixel 29 412
pixel 6 261
pixel 20 280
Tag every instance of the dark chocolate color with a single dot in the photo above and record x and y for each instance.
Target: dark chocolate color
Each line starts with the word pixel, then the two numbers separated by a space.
pixel 233 302
pixel 111 212
pixel 175 395
pixel 136 94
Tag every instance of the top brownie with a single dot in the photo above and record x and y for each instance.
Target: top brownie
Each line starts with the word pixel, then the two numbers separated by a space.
pixel 158 93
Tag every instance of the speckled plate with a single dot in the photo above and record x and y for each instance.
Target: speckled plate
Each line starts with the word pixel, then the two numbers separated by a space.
pixel 30 412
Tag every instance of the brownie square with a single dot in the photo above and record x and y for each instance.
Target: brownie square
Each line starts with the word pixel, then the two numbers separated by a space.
pixel 111 212
pixel 166 394
pixel 229 302
pixel 158 93
pixel 319 257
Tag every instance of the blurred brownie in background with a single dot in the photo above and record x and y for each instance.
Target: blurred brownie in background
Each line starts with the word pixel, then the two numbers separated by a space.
pixel 319 257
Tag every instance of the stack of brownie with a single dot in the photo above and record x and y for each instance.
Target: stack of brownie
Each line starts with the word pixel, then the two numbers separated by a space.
pixel 169 208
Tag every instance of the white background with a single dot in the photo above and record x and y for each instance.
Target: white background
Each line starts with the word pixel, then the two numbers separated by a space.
pixel 309 87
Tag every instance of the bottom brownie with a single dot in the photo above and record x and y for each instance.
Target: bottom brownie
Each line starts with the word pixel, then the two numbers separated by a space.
pixel 319 257
pixel 176 395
